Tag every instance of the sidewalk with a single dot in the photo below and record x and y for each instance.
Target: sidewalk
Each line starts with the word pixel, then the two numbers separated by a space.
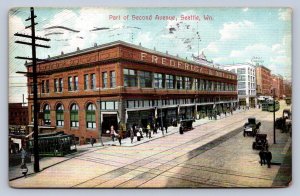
pixel 46 162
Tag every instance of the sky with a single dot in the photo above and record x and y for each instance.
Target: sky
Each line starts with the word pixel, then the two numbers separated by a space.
pixel 225 35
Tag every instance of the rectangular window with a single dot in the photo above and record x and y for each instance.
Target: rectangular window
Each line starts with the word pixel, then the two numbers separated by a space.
pixel 93 81
pixel 70 83
pixel 112 79
pixel 86 81
pixel 47 86
pixel 55 85
pixel 196 87
pixel 60 85
pixel 130 78
pixel 75 83
pixel 145 79
pixel 179 82
pixel 104 80
pixel 43 86
pixel 188 83
pixel 158 80
pixel 109 105
pixel 170 81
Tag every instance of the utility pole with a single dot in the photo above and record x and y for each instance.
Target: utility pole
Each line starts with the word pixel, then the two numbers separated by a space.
pixel 274 115
pixel 33 74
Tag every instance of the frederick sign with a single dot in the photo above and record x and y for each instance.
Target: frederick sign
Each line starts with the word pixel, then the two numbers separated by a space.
pixel 150 58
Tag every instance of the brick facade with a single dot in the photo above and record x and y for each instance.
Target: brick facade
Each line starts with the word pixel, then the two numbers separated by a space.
pixel 115 57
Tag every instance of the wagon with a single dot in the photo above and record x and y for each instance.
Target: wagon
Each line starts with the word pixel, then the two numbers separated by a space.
pixel 186 125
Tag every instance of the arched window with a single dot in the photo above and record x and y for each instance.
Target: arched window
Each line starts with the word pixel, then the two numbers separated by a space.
pixel 60 115
pixel 47 120
pixel 91 116
pixel 74 115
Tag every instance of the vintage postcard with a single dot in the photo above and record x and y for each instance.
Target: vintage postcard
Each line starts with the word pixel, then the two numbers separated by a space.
pixel 150 97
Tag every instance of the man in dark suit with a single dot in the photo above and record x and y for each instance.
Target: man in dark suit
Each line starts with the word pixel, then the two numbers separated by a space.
pixel 268 155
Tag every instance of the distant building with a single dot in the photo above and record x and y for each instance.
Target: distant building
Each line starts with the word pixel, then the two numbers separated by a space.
pixel 287 88
pixel 246 75
pixel 263 80
pixel 277 84
pixel 18 114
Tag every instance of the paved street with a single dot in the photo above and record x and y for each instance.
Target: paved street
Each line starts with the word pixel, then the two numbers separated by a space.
pixel 214 154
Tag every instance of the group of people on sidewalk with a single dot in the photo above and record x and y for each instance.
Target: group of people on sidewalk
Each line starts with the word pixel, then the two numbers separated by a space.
pixel 214 114
pixel 265 157
pixel 137 131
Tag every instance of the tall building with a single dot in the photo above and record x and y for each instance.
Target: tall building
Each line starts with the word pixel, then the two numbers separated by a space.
pixel 87 91
pixel 277 84
pixel 263 81
pixel 246 76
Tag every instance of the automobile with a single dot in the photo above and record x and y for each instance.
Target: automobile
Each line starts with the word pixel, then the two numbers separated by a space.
pixel 260 142
pixel 186 125
pixel 251 127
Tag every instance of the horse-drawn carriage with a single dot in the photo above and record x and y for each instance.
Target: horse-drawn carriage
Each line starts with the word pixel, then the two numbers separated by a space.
pixel 251 127
pixel 260 142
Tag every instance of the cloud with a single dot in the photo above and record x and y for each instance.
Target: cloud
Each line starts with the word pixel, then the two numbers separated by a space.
pixel 245 9
pixel 285 14
pixel 234 30
pixel 251 50
pixel 144 38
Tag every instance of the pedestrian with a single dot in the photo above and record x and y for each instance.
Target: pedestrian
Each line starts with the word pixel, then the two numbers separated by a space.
pixel 166 127
pixel 149 130
pixel 120 137
pixel 154 129
pixel 162 130
pixel 262 157
pixel 23 155
pixel 24 169
pixel 112 133
pixel 131 135
pixel 92 140
pixel 268 156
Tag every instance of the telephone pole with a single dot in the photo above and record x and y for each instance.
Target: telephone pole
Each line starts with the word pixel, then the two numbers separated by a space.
pixel 34 75
pixel 274 115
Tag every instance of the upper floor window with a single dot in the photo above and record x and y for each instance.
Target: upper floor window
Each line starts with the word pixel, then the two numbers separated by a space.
pixel 158 80
pixel 75 83
pixel 179 80
pixel 130 78
pixel 93 81
pixel 170 81
pixel 145 79
pixel 112 79
pixel 86 81
pixel 104 79
pixel 70 83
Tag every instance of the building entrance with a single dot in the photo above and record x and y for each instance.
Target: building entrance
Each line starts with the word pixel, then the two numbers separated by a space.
pixel 108 121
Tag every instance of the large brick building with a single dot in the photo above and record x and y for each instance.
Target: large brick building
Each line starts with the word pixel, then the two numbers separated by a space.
pixel 87 91
pixel 263 80
pixel 277 84
pixel 18 114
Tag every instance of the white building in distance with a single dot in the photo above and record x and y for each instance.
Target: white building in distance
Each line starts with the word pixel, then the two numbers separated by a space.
pixel 246 75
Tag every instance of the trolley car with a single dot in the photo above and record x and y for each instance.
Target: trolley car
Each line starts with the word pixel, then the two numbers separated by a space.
pixel 54 144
